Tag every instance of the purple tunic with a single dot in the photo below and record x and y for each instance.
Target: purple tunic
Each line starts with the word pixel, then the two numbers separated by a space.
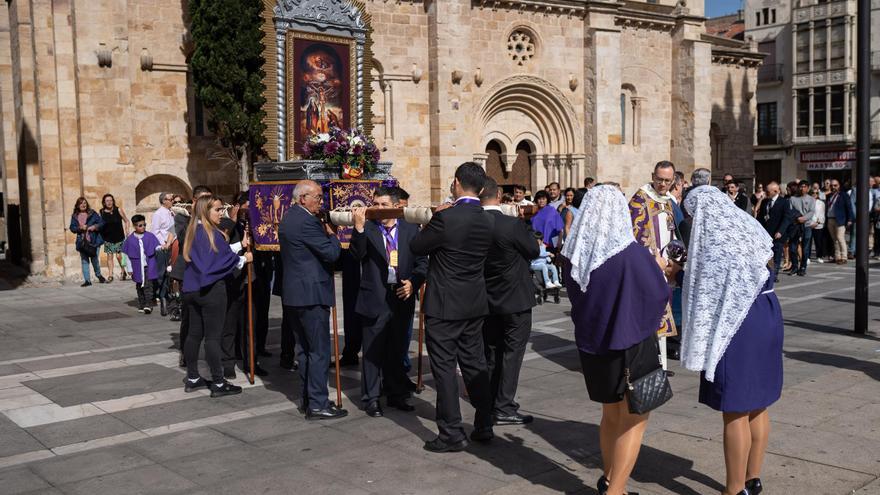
pixel 549 223
pixel 623 304
pixel 132 249
pixel 206 266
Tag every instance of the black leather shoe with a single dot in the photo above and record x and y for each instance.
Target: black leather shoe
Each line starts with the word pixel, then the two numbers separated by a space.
pixel 515 419
pixel 101 279
pixel 483 434
pixel 670 373
pixel 374 410
pixel 225 388
pixel 401 404
pixel 86 284
pixel 289 365
pixel 346 361
pixel 258 371
pixel 791 272
pixel 800 273
pixel 332 412
pixel 439 446
pixel 163 309
pixel 189 386
pixel 229 373
pixel 602 485
pixel 754 486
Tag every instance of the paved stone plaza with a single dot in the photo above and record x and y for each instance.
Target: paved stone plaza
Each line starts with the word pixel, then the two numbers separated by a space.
pixel 92 402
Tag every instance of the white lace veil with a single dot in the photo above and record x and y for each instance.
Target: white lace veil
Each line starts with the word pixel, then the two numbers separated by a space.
pixel 726 270
pixel 603 229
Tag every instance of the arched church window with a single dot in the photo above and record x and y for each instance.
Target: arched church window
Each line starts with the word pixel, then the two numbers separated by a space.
pixel 630 115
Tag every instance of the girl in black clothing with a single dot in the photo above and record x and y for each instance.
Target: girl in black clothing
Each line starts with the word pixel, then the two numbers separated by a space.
pixel 114 232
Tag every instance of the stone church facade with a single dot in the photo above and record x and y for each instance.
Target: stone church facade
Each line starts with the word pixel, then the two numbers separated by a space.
pixel 96 98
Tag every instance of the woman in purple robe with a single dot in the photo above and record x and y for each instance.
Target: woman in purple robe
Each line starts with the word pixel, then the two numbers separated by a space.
pixel 618 296
pixel 547 221
pixel 210 263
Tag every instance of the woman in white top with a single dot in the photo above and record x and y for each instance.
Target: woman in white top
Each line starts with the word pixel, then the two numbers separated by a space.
pixel 818 226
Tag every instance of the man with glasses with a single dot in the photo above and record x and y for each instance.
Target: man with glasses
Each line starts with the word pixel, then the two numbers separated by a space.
pixel 839 216
pixel 309 248
pixel 654 227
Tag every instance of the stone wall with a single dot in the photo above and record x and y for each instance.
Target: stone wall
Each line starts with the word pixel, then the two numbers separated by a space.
pixel 734 108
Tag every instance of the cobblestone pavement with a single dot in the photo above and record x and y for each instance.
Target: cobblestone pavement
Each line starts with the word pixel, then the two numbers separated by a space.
pixel 92 402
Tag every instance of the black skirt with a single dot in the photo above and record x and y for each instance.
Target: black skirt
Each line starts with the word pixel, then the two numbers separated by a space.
pixel 604 373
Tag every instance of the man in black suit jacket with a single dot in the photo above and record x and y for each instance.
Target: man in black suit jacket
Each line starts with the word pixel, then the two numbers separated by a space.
pixel 390 277
pixel 308 251
pixel 457 239
pixel 775 216
pixel 511 298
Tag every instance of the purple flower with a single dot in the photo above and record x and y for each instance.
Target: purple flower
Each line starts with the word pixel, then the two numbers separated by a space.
pixel 306 149
pixel 331 148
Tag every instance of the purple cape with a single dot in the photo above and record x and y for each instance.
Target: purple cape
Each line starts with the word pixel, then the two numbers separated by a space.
pixel 549 223
pixel 623 303
pixel 131 249
pixel 206 266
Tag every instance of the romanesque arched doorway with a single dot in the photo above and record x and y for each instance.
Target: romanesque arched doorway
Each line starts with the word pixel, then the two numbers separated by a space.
pixel 532 118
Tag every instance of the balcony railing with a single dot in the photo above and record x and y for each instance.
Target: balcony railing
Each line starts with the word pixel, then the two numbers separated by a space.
pixel 769 137
pixel 770 73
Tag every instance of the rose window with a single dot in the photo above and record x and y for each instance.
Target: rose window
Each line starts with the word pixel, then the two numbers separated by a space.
pixel 521 46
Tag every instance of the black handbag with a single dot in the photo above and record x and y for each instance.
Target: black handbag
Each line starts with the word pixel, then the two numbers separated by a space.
pixel 648 392
pixel 87 248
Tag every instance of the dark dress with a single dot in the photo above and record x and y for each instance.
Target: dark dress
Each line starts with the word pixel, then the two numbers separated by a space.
pixel 112 231
pixel 616 320
pixel 749 375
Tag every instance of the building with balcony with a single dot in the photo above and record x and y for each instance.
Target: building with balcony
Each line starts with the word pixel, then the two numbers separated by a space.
pixel 806 90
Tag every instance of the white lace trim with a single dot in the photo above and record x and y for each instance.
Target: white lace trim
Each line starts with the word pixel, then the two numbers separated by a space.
pixel 726 270
pixel 653 194
pixel 603 229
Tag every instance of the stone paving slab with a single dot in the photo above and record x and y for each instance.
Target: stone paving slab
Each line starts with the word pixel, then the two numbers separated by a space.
pixel 78 430
pixel 106 385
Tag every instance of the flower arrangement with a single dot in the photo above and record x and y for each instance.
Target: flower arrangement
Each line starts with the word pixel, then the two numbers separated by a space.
pixel 352 151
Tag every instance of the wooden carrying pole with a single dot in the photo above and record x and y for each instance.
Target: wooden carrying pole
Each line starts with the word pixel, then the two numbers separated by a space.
pixel 336 355
pixel 250 304
pixel 419 383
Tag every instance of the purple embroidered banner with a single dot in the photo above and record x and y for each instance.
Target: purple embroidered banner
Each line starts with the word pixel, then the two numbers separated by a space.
pixel 269 201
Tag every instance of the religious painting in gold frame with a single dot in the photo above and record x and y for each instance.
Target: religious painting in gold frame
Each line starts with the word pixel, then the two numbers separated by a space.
pixel 320 89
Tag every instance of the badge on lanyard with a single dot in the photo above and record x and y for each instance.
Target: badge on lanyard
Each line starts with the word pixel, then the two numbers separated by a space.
pixel 392 258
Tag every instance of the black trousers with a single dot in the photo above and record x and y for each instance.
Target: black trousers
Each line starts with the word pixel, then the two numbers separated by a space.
pixel 505 338
pixel 351 282
pixel 232 323
pixel 145 293
pixel 384 342
pixel 311 324
pixel 207 311
pixel 262 293
pixel 452 342
pixel 778 248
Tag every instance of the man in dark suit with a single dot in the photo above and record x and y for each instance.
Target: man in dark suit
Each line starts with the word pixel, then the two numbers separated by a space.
pixel 775 216
pixel 390 277
pixel 308 251
pixel 457 239
pixel 839 215
pixel 511 298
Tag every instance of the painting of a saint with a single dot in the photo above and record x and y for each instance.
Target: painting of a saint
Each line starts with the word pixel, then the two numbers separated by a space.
pixel 321 86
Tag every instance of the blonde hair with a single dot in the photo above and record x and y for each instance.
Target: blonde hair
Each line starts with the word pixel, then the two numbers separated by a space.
pixel 201 215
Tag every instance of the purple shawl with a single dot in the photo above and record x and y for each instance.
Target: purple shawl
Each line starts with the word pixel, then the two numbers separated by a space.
pixel 206 266
pixel 131 249
pixel 623 304
pixel 549 223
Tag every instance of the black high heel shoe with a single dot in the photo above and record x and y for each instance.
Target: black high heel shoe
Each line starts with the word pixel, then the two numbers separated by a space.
pixel 603 484
pixel 754 486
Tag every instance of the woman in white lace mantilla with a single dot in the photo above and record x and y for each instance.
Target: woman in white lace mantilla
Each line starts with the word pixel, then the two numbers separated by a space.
pixel 732 329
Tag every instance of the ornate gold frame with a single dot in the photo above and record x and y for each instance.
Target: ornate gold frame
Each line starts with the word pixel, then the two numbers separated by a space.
pixel 292 35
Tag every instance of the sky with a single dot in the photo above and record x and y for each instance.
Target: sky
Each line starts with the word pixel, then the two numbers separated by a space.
pixel 715 8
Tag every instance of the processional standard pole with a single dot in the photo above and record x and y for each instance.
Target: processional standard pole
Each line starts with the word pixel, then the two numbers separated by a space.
pixel 863 162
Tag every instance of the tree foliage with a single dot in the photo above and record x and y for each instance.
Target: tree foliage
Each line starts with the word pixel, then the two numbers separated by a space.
pixel 227 68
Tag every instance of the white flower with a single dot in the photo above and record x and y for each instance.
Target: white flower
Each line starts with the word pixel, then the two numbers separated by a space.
pixel 354 140
pixel 323 137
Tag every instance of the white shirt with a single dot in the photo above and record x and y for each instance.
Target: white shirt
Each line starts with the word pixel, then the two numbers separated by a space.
pixel 162 225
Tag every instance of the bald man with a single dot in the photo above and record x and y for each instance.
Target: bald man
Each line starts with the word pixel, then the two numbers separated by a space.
pixel 309 248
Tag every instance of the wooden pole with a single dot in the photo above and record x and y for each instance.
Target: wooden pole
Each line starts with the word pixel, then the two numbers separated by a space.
pixel 419 383
pixel 250 302
pixel 336 355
